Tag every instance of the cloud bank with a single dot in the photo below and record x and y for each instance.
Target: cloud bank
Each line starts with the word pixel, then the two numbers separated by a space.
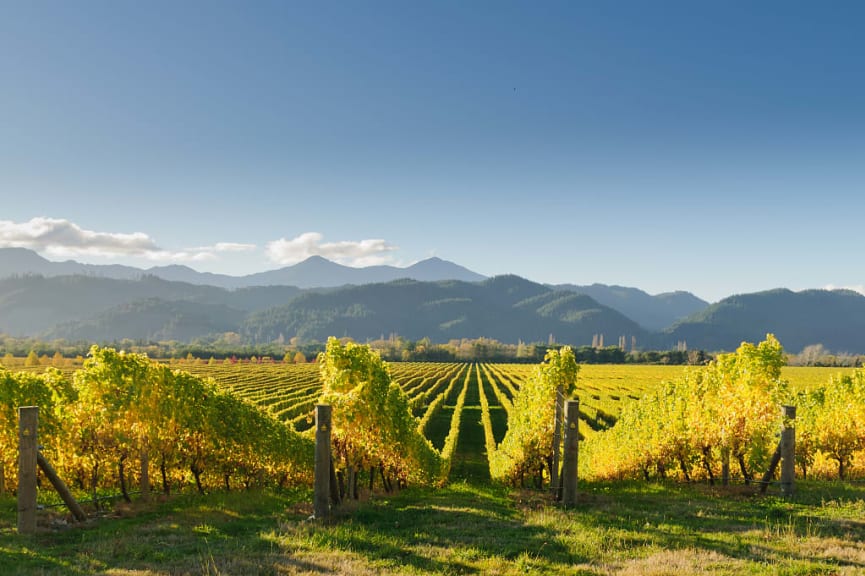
pixel 352 253
pixel 64 239
pixel 60 238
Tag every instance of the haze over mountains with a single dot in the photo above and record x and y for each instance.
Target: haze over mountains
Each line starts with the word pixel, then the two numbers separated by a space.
pixel 652 312
pixel 433 298
pixel 314 272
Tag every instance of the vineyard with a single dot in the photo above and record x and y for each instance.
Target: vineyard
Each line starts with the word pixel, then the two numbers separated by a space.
pixel 472 442
pixel 195 422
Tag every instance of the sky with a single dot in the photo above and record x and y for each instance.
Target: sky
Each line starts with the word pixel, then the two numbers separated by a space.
pixel 713 147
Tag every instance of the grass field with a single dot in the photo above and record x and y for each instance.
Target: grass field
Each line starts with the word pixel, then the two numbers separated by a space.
pixel 465 528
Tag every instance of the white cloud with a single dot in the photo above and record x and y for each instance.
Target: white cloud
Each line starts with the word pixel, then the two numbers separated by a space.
pixel 860 288
pixel 63 236
pixel 354 253
pixel 64 239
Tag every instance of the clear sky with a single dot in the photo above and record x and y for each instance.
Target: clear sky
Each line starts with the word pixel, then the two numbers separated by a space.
pixel 715 147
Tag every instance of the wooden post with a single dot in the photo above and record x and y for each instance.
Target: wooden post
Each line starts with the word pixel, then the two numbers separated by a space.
pixel 788 452
pixel 61 488
pixel 569 463
pixel 770 472
pixel 557 444
pixel 28 423
pixel 321 491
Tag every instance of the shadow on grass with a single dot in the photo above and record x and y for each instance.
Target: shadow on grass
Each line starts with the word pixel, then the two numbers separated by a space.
pixel 733 521
pixel 185 534
pixel 462 528
pixel 452 530
pixel 470 463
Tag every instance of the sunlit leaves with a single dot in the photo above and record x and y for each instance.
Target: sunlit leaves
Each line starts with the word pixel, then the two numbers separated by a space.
pixel 372 420
pixel 728 409
pixel 126 406
pixel 527 446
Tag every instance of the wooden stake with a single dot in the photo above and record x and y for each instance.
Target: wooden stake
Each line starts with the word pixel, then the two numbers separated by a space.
pixel 788 452
pixel 61 488
pixel 28 423
pixel 569 463
pixel 770 472
pixel 321 492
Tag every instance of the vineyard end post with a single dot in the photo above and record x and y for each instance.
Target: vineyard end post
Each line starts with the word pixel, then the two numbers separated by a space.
pixel 569 462
pixel 28 446
pixel 788 452
pixel 321 492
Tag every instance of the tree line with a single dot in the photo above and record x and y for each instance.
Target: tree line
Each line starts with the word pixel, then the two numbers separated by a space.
pixel 391 349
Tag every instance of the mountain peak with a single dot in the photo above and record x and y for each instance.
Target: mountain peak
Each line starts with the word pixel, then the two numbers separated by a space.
pixel 316 258
pixel 434 268
pixel 16 255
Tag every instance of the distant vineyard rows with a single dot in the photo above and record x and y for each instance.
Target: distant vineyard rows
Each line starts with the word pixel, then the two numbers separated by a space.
pixel 443 397
pixel 289 391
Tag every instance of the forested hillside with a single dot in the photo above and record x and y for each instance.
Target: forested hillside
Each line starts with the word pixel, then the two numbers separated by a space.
pixel 834 318
pixel 506 308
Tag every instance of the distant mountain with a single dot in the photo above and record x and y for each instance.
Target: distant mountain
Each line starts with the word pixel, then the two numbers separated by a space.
pixel 32 305
pixel 318 272
pixel 314 272
pixel 834 318
pixel 506 308
pixel 21 261
pixel 152 320
pixel 177 273
pixel 435 269
pixel 651 312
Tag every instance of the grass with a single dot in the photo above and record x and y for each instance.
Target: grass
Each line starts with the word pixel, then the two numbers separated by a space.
pixel 622 528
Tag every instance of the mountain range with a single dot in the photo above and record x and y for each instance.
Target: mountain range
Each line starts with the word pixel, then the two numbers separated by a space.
pixel 433 298
pixel 651 312
pixel 507 308
pixel 314 272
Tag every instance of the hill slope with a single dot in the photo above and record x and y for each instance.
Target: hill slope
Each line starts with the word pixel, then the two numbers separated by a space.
pixel 651 312
pixel 32 305
pixel 833 318
pixel 152 319
pixel 506 308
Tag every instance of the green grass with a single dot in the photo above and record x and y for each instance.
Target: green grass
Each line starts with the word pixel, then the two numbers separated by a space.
pixel 218 533
pixel 470 461
pixel 623 528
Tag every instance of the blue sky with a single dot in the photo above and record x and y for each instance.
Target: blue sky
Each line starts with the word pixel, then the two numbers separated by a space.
pixel 712 147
